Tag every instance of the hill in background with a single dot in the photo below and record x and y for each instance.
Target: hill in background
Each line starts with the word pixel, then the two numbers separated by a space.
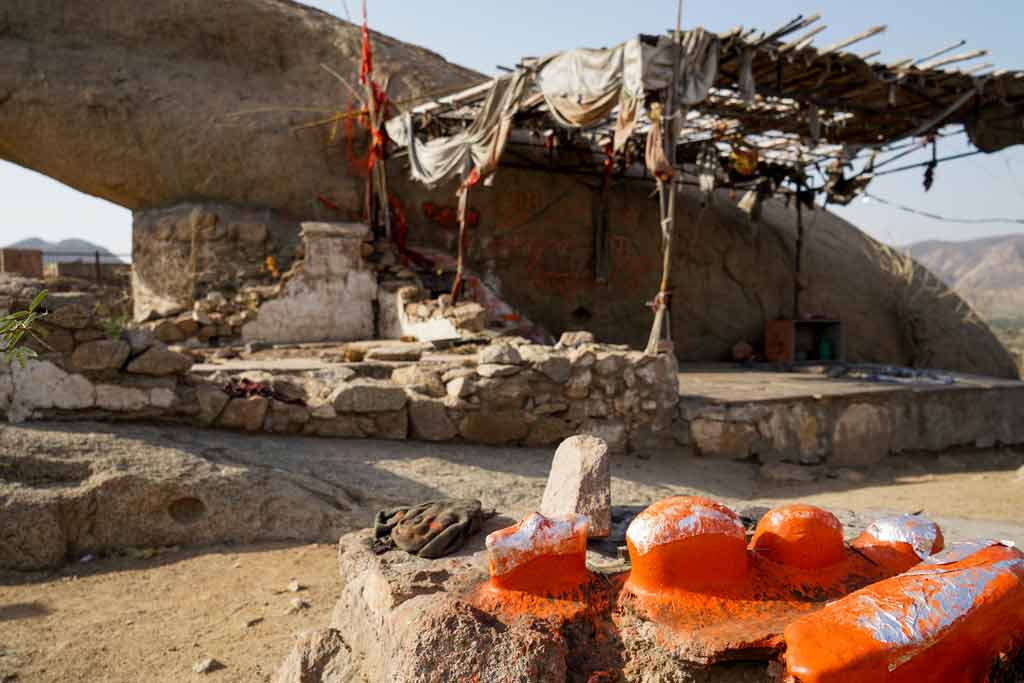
pixel 989 274
pixel 67 250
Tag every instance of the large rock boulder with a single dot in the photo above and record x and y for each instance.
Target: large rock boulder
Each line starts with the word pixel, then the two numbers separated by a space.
pixel 148 105
pixel 189 84
pixel 66 493
pixel 319 656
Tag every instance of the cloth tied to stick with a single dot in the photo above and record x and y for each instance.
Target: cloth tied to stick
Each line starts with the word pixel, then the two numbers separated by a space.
pixel 429 530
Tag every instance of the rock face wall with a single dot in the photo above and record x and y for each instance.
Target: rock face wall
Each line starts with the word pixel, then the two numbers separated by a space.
pixel 535 243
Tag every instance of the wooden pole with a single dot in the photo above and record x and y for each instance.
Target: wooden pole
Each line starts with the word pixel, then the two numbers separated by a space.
pixel 463 202
pixel 797 275
pixel 667 205
pixel 99 271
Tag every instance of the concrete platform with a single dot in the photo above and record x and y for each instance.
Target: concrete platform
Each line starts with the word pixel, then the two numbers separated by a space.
pixel 811 418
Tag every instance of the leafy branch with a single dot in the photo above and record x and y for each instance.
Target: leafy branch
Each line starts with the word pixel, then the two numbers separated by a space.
pixel 14 327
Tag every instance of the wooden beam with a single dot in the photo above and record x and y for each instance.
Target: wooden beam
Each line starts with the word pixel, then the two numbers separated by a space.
pixel 943 51
pixel 864 35
pixel 975 69
pixel 901 64
pixel 802 41
pixel 797 24
pixel 961 57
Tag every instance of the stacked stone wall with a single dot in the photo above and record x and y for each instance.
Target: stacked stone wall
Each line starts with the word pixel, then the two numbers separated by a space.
pixel 86 367
pixel 522 394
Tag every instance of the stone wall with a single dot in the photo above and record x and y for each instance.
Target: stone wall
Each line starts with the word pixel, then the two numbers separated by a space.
pixel 83 370
pixel 512 394
pixel 85 270
pixel 184 253
pixel 260 277
pixel 429 319
pixel 856 430
pixel 328 295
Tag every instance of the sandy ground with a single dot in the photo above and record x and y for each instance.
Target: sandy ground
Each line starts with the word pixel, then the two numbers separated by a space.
pixel 126 619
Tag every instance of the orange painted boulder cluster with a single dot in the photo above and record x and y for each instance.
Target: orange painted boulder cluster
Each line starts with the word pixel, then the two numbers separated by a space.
pixel 692 544
pixel 890 606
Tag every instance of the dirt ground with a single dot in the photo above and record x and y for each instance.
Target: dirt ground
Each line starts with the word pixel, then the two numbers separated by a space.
pixel 130 618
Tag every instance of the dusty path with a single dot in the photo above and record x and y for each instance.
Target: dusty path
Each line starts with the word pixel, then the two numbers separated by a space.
pixel 126 620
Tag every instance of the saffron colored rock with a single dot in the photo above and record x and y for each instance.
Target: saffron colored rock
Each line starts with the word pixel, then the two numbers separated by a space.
pixel 539 555
pixel 948 619
pixel 907 532
pixel 685 542
pixel 580 483
pixel 801 536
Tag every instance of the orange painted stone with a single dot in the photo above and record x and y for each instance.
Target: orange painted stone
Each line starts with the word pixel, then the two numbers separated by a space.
pixel 900 541
pixel 540 555
pixel 801 536
pixel 946 620
pixel 685 543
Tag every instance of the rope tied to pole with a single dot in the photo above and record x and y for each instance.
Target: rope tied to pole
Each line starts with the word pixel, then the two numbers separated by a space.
pixel 662 155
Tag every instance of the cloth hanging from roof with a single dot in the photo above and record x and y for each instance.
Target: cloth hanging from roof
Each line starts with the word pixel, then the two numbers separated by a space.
pixel 477 148
pixel 698 65
pixel 581 89
pixel 657 161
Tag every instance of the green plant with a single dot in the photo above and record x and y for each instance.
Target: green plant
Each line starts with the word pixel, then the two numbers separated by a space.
pixel 114 314
pixel 14 327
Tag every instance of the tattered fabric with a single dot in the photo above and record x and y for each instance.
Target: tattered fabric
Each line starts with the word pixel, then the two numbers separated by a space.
pixel 479 147
pixel 582 88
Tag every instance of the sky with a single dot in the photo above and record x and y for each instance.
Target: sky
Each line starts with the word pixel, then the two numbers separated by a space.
pixel 486 33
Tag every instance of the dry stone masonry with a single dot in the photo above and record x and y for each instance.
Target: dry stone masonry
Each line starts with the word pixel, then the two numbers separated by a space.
pixel 86 370
pixel 511 394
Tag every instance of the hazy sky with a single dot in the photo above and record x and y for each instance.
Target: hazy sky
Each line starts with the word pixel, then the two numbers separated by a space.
pixel 483 34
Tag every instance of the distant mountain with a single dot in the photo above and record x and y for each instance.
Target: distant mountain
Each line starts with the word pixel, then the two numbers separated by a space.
pixel 987 272
pixel 67 250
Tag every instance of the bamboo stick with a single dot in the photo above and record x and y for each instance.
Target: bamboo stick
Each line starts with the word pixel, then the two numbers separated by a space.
pixel 460 263
pixel 802 41
pixel 344 82
pixel 961 57
pixel 864 35
pixel 943 51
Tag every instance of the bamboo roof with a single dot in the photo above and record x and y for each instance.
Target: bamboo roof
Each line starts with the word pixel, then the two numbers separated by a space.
pixel 811 104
